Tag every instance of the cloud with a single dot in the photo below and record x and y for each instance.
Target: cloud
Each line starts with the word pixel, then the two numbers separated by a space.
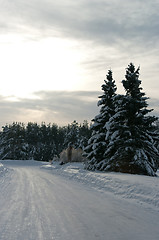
pixel 110 32
pixel 107 34
pixel 97 21
pixel 61 107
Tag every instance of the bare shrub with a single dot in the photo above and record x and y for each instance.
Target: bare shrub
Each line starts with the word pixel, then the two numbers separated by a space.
pixel 76 155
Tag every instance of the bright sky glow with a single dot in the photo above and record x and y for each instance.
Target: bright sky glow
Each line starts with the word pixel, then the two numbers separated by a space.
pixel 29 66
pixel 54 55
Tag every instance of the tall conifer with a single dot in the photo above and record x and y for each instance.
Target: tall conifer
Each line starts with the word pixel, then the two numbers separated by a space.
pixel 131 145
pixel 97 144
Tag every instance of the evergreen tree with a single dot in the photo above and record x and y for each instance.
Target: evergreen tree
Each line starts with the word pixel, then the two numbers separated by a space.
pixel 84 134
pixel 33 139
pixel 157 136
pixel 12 144
pixel 60 140
pixel 97 144
pixel 131 132
pixel 72 135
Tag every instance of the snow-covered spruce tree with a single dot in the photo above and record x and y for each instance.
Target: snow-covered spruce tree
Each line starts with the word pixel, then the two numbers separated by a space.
pixel 72 135
pixel 84 134
pixel 94 152
pixel 12 143
pixel 131 131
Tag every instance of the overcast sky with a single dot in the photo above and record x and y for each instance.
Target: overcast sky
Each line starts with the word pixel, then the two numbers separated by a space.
pixel 54 55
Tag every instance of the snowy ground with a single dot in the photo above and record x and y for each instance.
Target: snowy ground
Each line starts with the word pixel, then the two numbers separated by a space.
pixel 42 201
pixel 143 190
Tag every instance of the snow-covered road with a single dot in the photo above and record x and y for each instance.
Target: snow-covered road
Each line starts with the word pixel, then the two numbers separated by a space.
pixel 36 204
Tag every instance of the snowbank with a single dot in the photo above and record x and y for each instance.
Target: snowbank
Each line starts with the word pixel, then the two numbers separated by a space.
pixel 3 170
pixel 1 167
pixel 137 188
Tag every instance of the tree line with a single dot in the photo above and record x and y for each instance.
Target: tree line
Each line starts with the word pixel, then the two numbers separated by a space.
pixel 41 142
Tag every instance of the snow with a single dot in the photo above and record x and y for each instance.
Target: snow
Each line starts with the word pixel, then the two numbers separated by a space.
pixel 143 190
pixel 43 201
pixel 3 170
pixel 1 167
